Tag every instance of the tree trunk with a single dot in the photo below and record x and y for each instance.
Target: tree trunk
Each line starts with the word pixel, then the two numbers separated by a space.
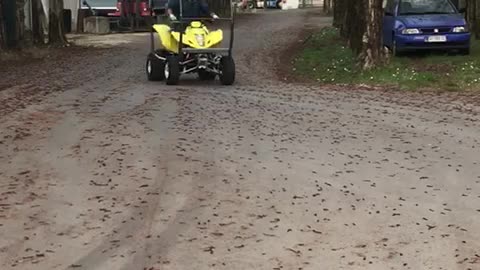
pixel 56 29
pixel 473 17
pixel 476 20
pixel 2 29
pixel 470 15
pixel 41 32
pixel 39 23
pixel 327 6
pixel 372 53
pixel 360 24
pixel 477 17
pixel 353 26
pixel 339 12
pixel 9 23
pixel 20 24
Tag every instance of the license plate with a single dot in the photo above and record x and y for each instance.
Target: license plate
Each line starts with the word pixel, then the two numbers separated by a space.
pixel 437 39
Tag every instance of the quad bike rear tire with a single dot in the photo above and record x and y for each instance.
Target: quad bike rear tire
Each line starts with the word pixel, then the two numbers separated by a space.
pixel 206 76
pixel 155 68
pixel 227 67
pixel 172 70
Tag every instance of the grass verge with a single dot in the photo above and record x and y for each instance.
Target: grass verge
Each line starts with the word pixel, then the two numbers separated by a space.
pixel 326 59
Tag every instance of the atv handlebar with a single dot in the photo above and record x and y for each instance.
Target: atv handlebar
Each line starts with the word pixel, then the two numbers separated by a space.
pixel 184 20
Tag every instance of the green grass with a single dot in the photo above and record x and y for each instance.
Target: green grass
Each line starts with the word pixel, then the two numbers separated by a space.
pixel 326 59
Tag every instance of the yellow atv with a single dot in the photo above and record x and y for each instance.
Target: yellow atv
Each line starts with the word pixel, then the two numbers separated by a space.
pixel 193 49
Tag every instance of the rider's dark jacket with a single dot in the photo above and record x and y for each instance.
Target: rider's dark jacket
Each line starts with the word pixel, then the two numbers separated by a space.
pixel 190 8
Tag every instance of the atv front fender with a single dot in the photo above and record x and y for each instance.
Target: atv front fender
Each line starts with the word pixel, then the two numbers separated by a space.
pixel 214 38
pixel 166 40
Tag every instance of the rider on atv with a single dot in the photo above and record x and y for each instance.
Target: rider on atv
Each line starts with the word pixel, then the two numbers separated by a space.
pixel 187 46
pixel 190 9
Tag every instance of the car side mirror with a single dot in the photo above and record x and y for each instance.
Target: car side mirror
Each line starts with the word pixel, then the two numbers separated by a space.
pixel 462 10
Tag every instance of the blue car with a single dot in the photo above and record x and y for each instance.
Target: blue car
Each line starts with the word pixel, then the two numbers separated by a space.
pixel 410 25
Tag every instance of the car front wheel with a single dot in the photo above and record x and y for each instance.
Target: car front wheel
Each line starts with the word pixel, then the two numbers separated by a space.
pixel 465 51
pixel 394 49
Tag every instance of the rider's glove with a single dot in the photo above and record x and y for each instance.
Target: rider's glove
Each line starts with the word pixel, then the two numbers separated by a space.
pixel 173 17
pixel 215 16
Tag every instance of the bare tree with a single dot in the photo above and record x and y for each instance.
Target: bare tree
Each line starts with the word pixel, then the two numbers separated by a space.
pixel 339 13
pixel 327 6
pixel 372 51
pixel 473 17
pixel 56 29
pixel 360 23
pixel 2 28
pixel 42 32
pixel 39 23
pixel 12 27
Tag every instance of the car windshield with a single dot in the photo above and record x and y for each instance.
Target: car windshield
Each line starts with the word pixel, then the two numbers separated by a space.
pixel 410 7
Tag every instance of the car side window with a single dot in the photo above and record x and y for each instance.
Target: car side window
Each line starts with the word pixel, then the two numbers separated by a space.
pixel 389 6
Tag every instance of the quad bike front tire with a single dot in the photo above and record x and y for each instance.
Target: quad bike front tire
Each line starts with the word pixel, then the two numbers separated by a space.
pixel 155 68
pixel 395 51
pixel 172 70
pixel 227 67
pixel 206 76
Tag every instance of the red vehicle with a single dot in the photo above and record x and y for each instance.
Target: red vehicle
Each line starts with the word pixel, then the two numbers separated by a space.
pixel 139 8
pixel 127 13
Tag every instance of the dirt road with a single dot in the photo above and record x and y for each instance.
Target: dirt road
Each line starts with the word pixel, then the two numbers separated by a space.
pixel 119 173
